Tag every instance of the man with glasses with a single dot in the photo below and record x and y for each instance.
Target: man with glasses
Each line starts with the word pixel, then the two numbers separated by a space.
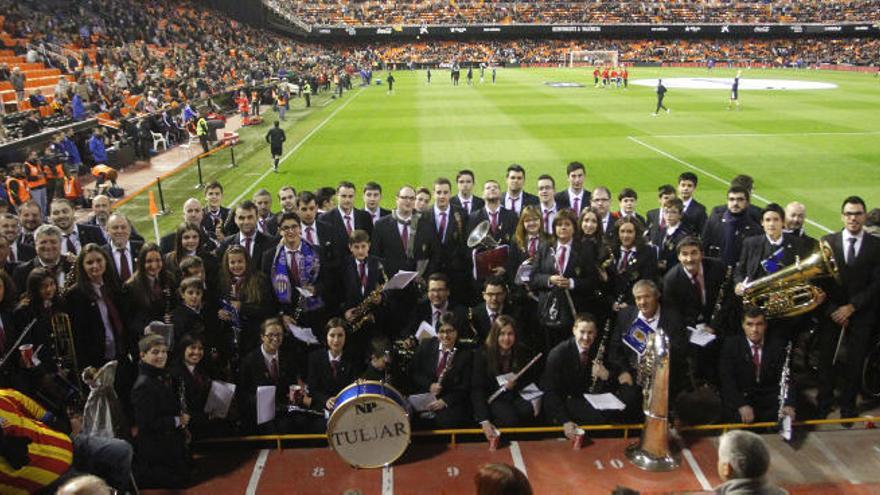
pixel 851 311
pixel 726 228
pixel 601 201
pixel 437 304
pixel 494 305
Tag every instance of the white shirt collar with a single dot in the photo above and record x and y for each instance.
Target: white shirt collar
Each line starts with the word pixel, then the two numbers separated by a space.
pixel 266 356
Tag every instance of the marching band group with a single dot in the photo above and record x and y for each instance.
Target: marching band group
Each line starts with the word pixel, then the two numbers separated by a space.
pixel 520 305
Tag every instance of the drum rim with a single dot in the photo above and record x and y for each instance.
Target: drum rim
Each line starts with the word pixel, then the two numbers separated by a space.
pixel 402 397
pixel 334 418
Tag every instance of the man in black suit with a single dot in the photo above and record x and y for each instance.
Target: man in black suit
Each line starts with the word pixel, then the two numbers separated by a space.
pixel 404 238
pixel 345 218
pixel 19 252
pixel 694 213
pixel 441 367
pixel 726 229
pixel 575 197
pixel 691 288
pixel 373 200
pixel 48 247
pixel 121 250
pixel 648 309
pixel 759 256
pixel 666 236
pixel 627 200
pixel 31 217
pixel 600 200
pixel 287 198
pixel 795 216
pixel 547 201
pixel 572 367
pixel 750 370
pixel 450 233
pixel 73 235
pixel 465 198
pixel 268 365
pixel 851 309
pixel 215 218
pixel 655 217
pixel 515 198
pixel 263 200
pixel 253 242
pixel 494 305
pixel 502 222
pixel 362 275
pixel 437 304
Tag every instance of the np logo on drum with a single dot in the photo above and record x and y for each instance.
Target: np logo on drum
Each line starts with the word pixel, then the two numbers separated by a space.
pixel 365 408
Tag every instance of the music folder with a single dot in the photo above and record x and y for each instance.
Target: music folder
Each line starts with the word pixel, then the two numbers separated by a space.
pixel 485 262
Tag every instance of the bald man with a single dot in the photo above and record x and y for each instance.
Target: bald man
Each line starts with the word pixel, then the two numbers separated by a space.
pixel 192 213
pixel 795 217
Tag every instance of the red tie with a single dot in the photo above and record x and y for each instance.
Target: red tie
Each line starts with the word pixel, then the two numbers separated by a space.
pixel 348 224
pixel 273 370
pixel 467 206
pixel 577 205
pixel 113 313
pixel 247 245
pixel 547 221
pixel 404 237
pixel 756 359
pixel 699 287
pixel 623 261
pixel 442 364
pixel 334 367
pixel 309 236
pixel 293 266
pixel 560 260
pixel 662 219
pixel 263 225
pixel 124 269
pixel 512 204
pixel 442 226
pixel 533 246
pixel 362 271
pixel 494 221
pixel 71 247
pixel 585 357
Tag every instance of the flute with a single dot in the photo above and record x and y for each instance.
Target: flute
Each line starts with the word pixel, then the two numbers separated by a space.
pixel 502 388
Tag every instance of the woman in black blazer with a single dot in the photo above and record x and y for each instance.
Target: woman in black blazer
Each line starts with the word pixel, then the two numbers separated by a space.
pixel 502 353
pixel 190 369
pixel 563 265
pixel 191 241
pixel 330 369
pixel 151 292
pixel 634 259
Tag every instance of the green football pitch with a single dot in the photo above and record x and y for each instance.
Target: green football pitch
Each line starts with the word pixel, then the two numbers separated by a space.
pixel 815 146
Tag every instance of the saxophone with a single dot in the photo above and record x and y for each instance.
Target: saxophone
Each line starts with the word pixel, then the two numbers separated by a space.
pixel 363 311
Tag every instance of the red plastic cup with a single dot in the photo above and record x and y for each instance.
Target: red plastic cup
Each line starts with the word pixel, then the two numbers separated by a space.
pixel 493 443
pixel 578 441
pixel 27 354
pixel 295 394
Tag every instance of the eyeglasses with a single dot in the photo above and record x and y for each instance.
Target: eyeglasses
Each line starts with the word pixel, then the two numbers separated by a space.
pixel 287 228
pixel 274 336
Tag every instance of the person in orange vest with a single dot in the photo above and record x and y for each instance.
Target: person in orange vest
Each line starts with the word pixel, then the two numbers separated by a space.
pixel 54 180
pixel 243 105
pixel 73 190
pixel 36 180
pixel 16 186
pixel 255 102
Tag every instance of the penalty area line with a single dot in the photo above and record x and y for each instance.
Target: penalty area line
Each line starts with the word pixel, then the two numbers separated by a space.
pixel 298 145
pixel 710 174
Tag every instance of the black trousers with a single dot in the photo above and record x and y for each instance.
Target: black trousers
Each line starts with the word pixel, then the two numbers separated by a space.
pixel 848 369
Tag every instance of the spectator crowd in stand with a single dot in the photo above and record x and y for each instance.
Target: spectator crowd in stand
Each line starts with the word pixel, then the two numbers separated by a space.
pixel 322 12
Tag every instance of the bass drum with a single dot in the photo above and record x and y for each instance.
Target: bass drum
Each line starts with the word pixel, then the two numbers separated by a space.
pixel 369 427
pixel 871 373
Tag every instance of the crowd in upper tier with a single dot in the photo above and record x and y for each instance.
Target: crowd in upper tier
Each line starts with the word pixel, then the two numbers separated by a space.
pixel 321 12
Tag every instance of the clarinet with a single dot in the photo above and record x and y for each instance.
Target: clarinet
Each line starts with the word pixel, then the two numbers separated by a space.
pixel 719 298
pixel 785 381
pixel 600 355
pixel 184 408
pixel 447 367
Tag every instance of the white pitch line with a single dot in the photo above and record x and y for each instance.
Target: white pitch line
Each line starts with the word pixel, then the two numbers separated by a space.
pixel 300 143
pixel 711 175
pixel 257 472
pixel 388 480
pixel 838 464
pixel 694 465
pixel 516 454
pixel 783 134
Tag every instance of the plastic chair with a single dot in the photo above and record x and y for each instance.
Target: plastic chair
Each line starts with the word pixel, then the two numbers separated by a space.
pixel 157 140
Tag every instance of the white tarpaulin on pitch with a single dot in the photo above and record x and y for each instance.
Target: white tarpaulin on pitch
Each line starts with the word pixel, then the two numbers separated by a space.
pixel 726 82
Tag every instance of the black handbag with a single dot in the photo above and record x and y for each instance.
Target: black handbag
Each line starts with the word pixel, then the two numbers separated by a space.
pixel 554 309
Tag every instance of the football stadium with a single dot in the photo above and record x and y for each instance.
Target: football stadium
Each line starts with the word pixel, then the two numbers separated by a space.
pixel 439 246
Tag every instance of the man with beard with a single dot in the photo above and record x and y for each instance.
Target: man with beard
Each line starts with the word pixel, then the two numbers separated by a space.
pixel 726 229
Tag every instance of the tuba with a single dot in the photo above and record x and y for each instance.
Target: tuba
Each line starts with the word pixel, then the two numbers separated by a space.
pixel 652 453
pixel 481 237
pixel 789 292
